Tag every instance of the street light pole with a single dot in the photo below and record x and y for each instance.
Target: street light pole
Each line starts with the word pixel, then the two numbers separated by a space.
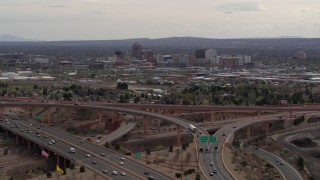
pixel 181 163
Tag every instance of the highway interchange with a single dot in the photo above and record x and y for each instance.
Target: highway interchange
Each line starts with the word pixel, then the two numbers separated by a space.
pixel 65 141
pixel 205 158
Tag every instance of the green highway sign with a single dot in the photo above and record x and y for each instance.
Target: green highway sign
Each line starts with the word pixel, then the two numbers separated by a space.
pixel 291 158
pixel 203 138
pixel 213 138
pixel 265 158
pixel 137 155
pixel 282 151
pixel 37 117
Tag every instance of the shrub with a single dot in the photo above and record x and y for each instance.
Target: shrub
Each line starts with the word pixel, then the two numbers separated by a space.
pixel 82 169
pixel 178 175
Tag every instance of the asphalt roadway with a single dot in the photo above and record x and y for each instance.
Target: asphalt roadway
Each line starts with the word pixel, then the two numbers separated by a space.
pixel 109 162
pixel 224 134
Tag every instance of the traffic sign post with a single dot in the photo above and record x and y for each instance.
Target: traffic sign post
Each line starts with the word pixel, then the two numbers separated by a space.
pixel 213 138
pixel 291 158
pixel 203 138
pixel 137 155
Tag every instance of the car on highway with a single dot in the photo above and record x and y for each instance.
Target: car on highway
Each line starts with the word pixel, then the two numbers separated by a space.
pixel 114 172
pixel 146 172
pixel 216 147
pixel 211 164
pixel 72 150
pixel 281 163
pixel 214 171
pixel 53 141
pixel 121 163
pixel 46 136
pixel 38 135
pixel 122 158
pixel 150 177
pixel 123 174
pixel 105 171
pixel 211 174
pixel 277 160
pixel 97 141
pixel 94 162
pixel 103 154
pixel 81 141
pixel 50 143
pixel 201 149
pixel 224 134
pixel 88 155
pixel 22 130
pixel 234 126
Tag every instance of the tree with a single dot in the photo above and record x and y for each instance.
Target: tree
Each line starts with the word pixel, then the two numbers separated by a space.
pixel 49 174
pixel 197 177
pixel 236 143
pixel 72 165
pixel 117 146
pixel 244 163
pixel 148 151
pixel 311 178
pixel 171 148
pixel 178 175
pixel 82 169
pixel 5 151
pixel 300 163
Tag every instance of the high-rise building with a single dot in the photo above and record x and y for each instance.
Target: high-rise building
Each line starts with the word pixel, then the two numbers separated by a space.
pixel 137 51
pixel 200 53
pixel 211 56
pixel 229 62
pixel 148 54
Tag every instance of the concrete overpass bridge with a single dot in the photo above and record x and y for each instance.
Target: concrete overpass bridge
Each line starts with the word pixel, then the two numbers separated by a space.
pixel 134 111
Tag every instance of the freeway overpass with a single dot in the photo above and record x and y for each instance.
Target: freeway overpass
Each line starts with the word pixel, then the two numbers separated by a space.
pixel 181 123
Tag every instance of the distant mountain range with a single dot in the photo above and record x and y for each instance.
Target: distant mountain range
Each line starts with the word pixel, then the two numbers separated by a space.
pixel 266 42
pixel 11 38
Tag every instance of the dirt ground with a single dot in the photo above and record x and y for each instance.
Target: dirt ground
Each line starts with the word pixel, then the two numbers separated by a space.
pixel 245 166
pixel 71 174
pixel 170 162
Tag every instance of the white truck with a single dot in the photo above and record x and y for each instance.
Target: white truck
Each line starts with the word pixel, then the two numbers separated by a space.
pixel 192 128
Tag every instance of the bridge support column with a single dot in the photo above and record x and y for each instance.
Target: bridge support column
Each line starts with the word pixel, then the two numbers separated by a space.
pixel 68 115
pixel 64 163
pixel 158 123
pixel 266 126
pixel 1 112
pixel 99 112
pixel 145 126
pixel 49 115
pixel 248 132
pixel 58 160
pixel 17 139
pixel 113 117
pixel 212 116
pixel 178 136
pixel 29 145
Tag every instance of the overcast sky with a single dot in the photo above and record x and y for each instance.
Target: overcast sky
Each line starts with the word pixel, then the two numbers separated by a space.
pixel 121 19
